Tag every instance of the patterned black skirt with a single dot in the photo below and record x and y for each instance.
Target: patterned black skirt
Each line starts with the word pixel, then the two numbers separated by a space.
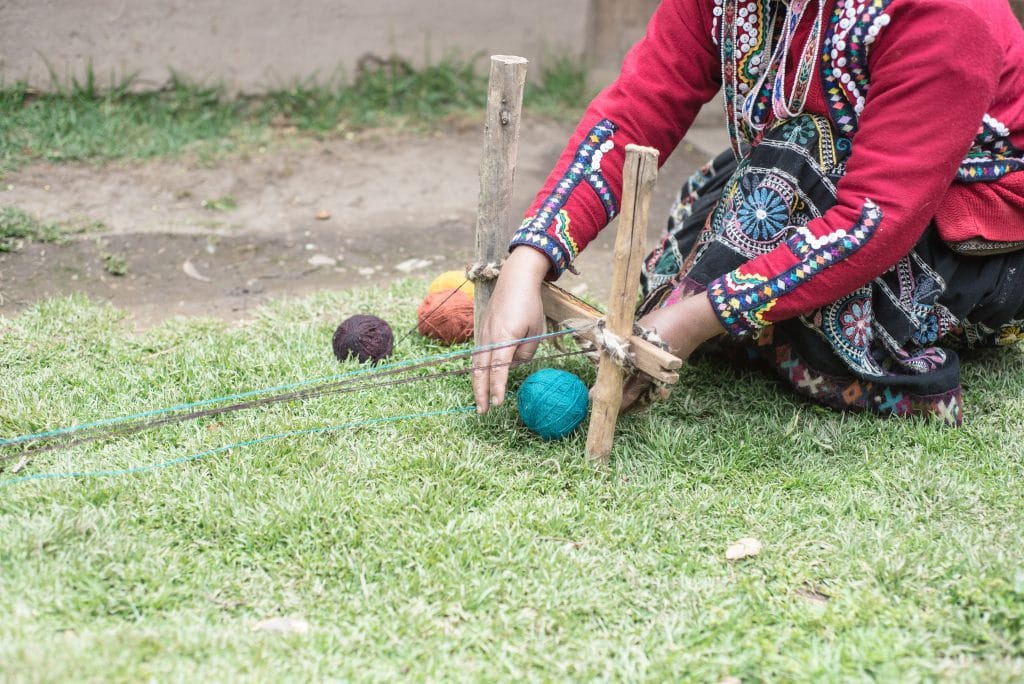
pixel 888 346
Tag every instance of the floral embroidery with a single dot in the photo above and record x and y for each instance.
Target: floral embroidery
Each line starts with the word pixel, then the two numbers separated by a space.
pixel 741 300
pixel 848 325
pixel 925 361
pixel 763 215
pixel 856 322
pixel 801 131
pixel 1011 333
pixel 928 332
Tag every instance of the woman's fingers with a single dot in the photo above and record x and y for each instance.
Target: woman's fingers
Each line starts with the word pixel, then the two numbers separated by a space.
pixel 514 312
pixel 482 380
pixel 501 359
pixel 490 372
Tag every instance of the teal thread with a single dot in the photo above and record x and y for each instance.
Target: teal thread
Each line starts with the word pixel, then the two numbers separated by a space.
pixel 237 445
pixel 279 388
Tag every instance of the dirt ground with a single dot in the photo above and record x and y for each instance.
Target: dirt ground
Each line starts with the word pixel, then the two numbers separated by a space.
pixel 299 216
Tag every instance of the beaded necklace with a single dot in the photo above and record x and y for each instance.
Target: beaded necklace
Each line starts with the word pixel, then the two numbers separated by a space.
pixel 784 107
pixel 754 63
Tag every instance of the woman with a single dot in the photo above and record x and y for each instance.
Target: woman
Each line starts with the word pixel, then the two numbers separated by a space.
pixel 870 212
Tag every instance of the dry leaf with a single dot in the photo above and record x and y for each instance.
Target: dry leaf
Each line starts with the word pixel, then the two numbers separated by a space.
pixel 191 272
pixel 748 547
pixel 812 594
pixel 282 625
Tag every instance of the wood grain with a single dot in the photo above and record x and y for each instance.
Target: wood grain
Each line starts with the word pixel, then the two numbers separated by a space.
pixel 639 175
pixel 494 225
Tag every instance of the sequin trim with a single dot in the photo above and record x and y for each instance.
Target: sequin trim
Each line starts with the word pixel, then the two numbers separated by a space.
pixel 992 155
pixel 854 26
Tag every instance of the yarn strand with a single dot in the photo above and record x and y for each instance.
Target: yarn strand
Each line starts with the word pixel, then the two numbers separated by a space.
pixel 409 364
pixel 219 450
pixel 124 429
pixel 267 438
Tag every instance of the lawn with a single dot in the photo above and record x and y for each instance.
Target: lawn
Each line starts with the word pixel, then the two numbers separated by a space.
pixel 454 547
pixel 96 122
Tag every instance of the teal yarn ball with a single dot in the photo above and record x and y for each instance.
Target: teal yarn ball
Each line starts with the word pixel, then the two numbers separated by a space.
pixel 552 403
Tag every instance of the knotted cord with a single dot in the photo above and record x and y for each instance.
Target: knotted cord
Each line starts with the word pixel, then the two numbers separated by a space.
pixel 482 271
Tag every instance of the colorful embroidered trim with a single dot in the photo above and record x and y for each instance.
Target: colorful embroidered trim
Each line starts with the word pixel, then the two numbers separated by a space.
pixel 744 35
pixel 557 244
pixel 854 26
pixel 742 300
pixel 788 108
pixel 992 155
pixel 548 230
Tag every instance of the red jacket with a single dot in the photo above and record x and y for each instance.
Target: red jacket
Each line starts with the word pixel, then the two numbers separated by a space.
pixel 930 91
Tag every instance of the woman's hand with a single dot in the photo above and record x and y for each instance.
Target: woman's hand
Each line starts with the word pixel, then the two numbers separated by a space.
pixel 515 311
pixel 684 326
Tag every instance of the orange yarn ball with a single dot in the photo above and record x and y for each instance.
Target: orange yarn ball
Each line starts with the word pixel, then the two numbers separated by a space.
pixel 447 316
pixel 450 280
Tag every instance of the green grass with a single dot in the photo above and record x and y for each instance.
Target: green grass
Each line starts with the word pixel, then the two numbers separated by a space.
pixel 115 264
pixel 17 226
pixel 463 548
pixel 83 121
pixel 225 203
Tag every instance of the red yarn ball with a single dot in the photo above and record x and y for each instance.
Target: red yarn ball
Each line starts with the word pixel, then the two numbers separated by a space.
pixel 368 338
pixel 447 315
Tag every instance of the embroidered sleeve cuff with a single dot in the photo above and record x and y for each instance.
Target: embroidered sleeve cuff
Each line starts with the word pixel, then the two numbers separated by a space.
pixel 743 299
pixel 560 258
pixel 582 191
pixel 728 304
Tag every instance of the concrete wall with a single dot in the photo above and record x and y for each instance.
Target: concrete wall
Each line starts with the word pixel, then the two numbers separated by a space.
pixel 613 27
pixel 254 45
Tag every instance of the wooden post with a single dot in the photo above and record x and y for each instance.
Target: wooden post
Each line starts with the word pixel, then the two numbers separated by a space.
pixel 497 172
pixel 639 174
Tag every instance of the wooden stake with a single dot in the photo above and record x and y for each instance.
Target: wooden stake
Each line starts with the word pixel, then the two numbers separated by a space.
pixel 639 174
pixel 494 226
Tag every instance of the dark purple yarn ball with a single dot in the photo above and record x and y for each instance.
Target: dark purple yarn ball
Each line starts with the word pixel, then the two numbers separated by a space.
pixel 367 338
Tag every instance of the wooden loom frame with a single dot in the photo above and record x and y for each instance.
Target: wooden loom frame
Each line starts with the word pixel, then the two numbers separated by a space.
pixel 493 232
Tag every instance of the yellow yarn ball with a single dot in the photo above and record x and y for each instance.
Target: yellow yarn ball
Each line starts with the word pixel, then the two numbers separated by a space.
pixel 451 280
